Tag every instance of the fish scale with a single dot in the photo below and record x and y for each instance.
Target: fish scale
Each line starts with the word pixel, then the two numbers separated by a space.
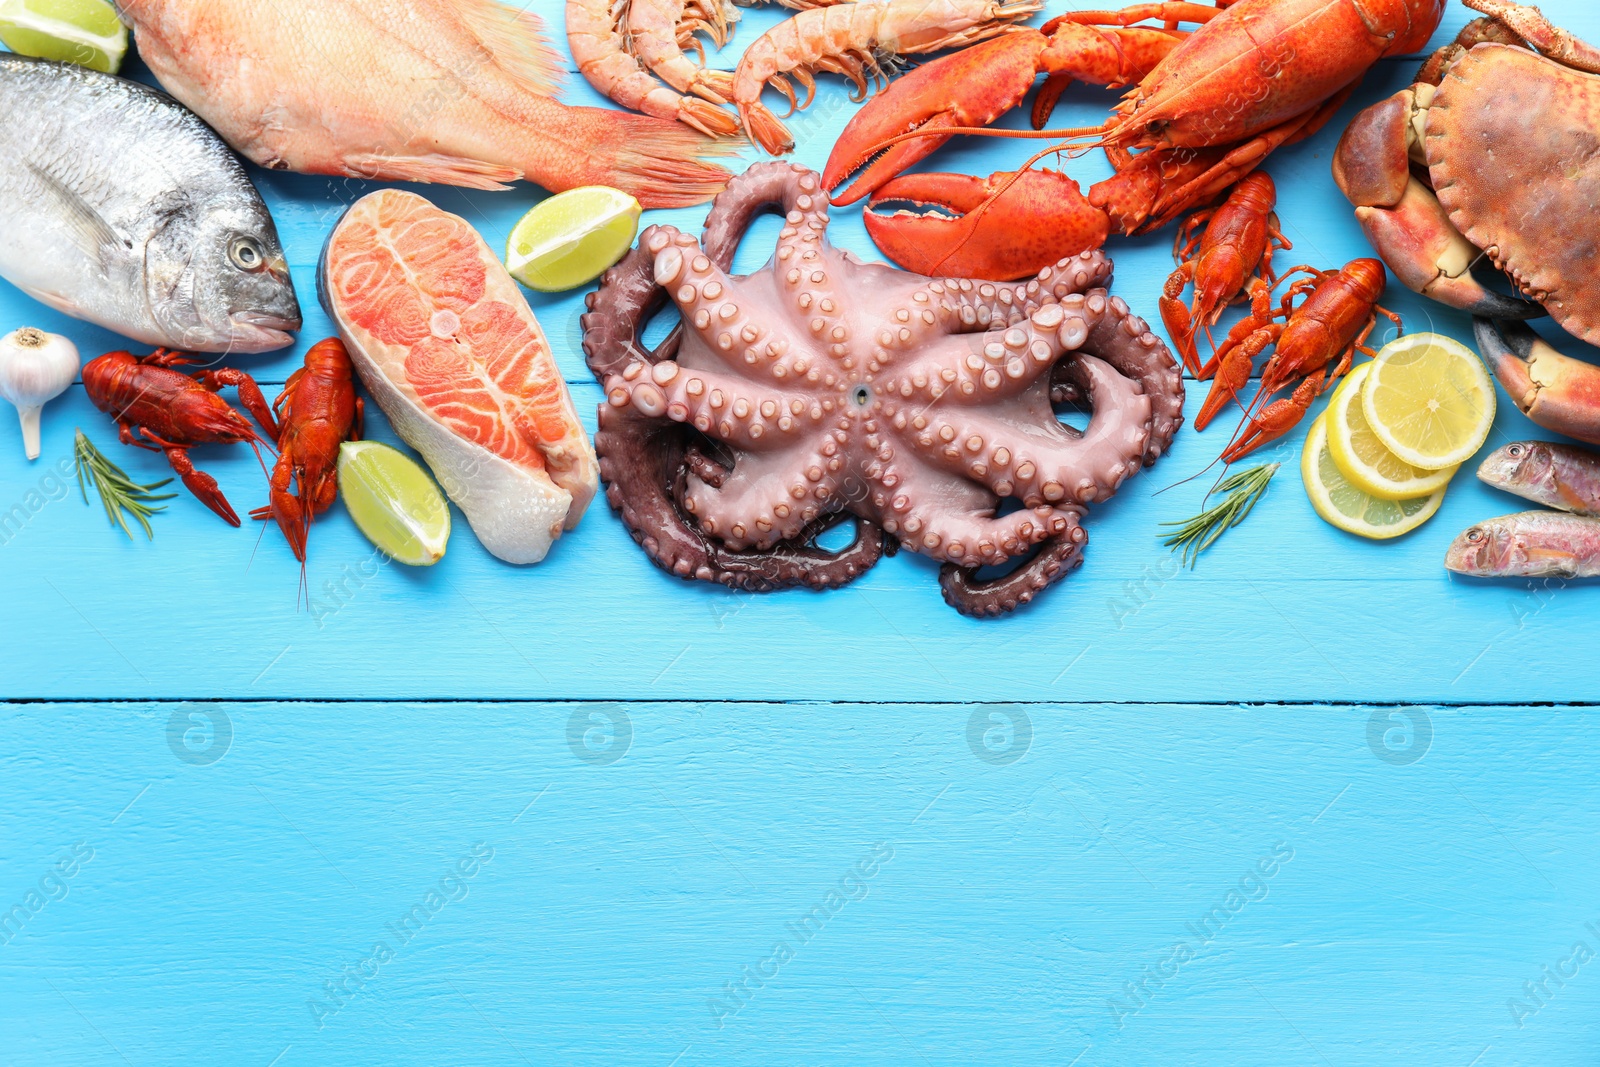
pixel 122 208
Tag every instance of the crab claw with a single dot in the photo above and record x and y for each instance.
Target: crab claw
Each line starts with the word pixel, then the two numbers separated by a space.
pixel 1555 391
pixel 972 87
pixel 1003 227
pixel 1431 257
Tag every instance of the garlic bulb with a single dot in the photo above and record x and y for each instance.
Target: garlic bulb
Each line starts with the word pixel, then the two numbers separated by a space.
pixel 35 368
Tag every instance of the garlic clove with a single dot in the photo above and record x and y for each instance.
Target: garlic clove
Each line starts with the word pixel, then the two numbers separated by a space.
pixel 35 368
pixel 30 429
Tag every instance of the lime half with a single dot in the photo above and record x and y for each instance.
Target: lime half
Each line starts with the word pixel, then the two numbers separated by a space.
pixel 394 502
pixel 85 32
pixel 572 238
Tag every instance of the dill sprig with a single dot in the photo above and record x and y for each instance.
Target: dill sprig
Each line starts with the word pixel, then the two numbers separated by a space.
pixel 1243 490
pixel 118 492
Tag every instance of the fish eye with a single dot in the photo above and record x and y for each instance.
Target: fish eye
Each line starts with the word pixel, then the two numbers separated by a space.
pixel 1514 450
pixel 246 254
pixel 1475 535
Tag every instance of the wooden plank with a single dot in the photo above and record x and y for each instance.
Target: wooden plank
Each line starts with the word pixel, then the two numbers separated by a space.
pixel 1009 906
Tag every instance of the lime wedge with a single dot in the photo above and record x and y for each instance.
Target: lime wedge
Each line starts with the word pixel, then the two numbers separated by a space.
pixel 85 32
pixel 394 502
pixel 572 238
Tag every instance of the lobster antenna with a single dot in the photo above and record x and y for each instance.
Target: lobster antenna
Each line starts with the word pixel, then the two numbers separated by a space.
pixel 1076 133
pixel 978 212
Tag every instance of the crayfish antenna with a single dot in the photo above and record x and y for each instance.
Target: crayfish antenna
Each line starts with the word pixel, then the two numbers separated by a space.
pixel 1195 475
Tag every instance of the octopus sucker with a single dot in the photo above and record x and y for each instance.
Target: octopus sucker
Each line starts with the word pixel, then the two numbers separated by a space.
pixel 919 407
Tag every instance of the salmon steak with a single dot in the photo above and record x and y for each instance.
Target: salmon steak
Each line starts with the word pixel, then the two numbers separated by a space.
pixel 445 343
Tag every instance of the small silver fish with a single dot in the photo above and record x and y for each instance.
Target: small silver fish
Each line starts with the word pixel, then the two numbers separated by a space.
pixel 1529 544
pixel 1557 475
pixel 120 207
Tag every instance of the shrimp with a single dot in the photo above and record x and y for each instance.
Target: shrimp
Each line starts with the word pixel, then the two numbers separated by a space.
pixel 595 37
pixel 658 32
pixel 860 41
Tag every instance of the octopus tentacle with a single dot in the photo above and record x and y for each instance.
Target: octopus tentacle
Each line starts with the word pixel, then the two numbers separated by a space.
pixel 712 401
pixel 975 539
pixel 1125 341
pixel 1006 362
pixel 978 303
pixel 1053 463
pixel 765 499
pixel 1056 558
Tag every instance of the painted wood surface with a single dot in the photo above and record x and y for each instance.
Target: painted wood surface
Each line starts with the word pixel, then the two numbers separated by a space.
pixel 952 885
pixel 1004 823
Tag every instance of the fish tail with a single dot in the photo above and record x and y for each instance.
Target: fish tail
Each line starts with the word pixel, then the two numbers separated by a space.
pixel 660 163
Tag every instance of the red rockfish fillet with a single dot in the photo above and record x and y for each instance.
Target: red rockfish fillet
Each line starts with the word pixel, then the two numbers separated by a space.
pixel 447 346
pixel 452 91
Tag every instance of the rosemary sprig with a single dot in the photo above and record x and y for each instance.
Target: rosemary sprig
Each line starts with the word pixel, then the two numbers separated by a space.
pixel 1243 490
pixel 118 492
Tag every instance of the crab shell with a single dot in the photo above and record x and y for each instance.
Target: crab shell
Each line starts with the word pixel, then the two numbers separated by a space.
pixel 1513 149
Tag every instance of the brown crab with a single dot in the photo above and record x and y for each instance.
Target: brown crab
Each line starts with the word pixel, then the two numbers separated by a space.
pixel 1504 126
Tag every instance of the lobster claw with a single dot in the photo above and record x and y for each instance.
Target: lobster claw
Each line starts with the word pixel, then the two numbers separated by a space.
pixel 972 87
pixel 1003 227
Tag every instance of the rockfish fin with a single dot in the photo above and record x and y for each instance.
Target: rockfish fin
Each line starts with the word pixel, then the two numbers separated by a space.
pixel 517 42
pixel 89 228
pixel 446 170
pixel 660 163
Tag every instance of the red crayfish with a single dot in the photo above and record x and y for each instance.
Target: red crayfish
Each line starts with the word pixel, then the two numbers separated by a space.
pixel 167 410
pixel 319 410
pixel 1332 323
pixel 1230 260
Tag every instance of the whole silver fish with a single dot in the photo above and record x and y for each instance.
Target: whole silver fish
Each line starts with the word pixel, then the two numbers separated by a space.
pixel 1530 544
pixel 120 207
pixel 1557 475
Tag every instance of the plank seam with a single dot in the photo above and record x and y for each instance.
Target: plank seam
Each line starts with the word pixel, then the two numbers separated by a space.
pixel 770 702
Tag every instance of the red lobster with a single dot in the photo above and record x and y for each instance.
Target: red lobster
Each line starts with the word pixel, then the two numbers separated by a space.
pixel 1230 260
pixel 1333 322
pixel 1205 108
pixel 169 411
pixel 319 411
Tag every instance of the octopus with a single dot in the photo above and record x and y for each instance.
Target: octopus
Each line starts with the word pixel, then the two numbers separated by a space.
pixel 822 388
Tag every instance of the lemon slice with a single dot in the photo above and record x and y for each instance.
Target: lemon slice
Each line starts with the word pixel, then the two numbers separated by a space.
pixel 1429 400
pixel 1347 507
pixel 1363 459
pixel 394 502
pixel 85 32
pixel 571 238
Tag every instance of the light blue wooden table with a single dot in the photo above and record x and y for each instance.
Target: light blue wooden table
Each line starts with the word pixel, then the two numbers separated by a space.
pixel 1315 802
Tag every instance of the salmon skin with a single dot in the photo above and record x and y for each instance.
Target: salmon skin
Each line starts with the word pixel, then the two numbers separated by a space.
pixel 453 91
pixel 1530 544
pixel 447 346
pixel 1545 472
